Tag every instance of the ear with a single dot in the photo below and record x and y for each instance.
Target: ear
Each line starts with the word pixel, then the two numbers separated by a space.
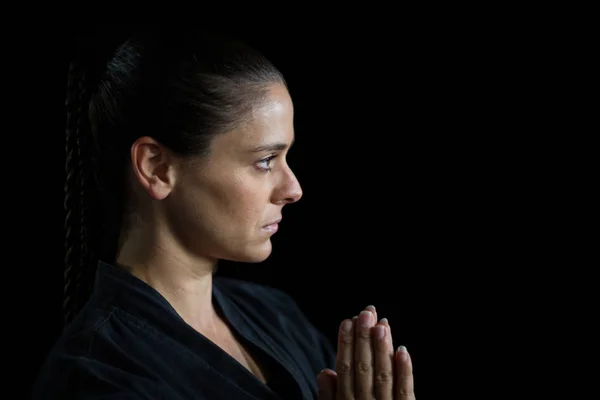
pixel 152 167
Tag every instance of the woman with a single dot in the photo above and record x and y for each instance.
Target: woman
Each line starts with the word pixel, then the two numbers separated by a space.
pixel 176 158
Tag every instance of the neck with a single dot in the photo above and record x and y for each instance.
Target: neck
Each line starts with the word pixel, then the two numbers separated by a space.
pixel 182 278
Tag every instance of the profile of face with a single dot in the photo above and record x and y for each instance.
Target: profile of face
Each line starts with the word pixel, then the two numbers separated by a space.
pixel 227 205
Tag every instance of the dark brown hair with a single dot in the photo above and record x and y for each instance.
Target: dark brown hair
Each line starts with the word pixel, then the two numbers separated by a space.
pixel 181 87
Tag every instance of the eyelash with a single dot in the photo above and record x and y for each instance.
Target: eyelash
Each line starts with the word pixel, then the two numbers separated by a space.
pixel 266 160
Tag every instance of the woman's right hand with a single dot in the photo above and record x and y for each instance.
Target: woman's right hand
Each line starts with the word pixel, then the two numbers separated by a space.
pixel 367 366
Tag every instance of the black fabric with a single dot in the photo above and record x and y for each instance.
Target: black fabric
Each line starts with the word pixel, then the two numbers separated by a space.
pixel 129 343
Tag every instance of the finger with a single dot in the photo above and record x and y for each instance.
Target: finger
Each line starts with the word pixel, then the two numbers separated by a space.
pixel 390 340
pixel 404 384
pixel 384 363
pixel 363 356
pixel 345 361
pixel 326 380
pixel 373 311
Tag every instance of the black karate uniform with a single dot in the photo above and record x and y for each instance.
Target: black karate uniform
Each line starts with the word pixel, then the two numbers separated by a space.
pixel 129 343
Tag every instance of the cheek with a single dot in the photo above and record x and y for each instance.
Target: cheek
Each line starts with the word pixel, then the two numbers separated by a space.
pixel 243 200
pixel 249 205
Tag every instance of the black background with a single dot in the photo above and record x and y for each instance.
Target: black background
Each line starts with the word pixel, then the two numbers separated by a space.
pixel 419 175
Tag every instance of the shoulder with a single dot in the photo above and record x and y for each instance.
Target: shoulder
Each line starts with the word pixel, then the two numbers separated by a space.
pixel 271 308
pixel 87 362
pixel 276 310
pixel 243 287
pixel 79 377
pixel 260 295
pixel 275 313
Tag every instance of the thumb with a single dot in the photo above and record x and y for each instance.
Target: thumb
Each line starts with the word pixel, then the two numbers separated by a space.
pixel 326 384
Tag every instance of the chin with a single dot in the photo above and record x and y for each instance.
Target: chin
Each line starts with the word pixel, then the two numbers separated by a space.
pixel 253 254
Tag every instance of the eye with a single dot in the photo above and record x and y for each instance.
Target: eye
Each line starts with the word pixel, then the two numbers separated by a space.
pixel 265 163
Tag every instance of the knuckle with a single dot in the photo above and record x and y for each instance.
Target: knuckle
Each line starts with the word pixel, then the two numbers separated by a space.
pixel 363 336
pixel 344 368
pixel 406 392
pixel 346 338
pixel 363 367
pixel 384 376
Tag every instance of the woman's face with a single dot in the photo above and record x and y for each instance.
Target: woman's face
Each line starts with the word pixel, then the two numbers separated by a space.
pixel 228 205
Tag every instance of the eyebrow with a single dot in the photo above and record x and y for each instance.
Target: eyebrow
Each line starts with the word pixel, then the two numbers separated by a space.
pixel 278 146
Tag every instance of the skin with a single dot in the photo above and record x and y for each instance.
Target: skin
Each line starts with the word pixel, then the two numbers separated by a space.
pixel 367 365
pixel 191 213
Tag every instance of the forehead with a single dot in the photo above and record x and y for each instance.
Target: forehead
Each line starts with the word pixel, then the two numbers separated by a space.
pixel 270 121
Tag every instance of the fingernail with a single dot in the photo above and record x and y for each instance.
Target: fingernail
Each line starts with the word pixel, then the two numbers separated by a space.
pixel 372 307
pixel 346 326
pixel 403 352
pixel 379 332
pixel 383 320
pixel 365 318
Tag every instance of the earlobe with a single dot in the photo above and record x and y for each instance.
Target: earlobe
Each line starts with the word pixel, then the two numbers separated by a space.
pixel 151 167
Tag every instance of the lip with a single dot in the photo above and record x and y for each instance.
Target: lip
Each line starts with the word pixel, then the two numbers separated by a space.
pixel 277 221
pixel 272 227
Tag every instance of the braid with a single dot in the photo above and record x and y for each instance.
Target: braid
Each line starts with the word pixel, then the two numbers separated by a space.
pixel 71 207
pixel 78 257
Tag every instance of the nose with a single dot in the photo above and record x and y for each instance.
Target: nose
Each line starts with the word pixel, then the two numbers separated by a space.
pixel 290 191
pixel 295 193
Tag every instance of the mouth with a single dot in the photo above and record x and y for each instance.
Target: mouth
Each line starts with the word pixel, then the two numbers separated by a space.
pixel 272 226
pixel 277 221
